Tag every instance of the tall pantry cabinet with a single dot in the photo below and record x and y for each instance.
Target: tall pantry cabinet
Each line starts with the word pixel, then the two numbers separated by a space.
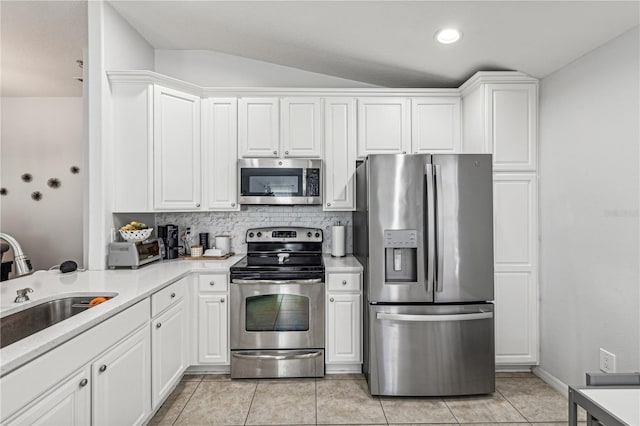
pixel 500 117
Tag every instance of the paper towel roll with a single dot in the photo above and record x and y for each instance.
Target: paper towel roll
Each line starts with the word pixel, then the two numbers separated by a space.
pixel 338 241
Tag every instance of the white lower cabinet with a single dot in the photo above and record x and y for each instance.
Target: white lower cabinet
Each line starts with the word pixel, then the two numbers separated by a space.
pixel 68 404
pixel 343 303
pixel 168 351
pixel 121 382
pixel 213 319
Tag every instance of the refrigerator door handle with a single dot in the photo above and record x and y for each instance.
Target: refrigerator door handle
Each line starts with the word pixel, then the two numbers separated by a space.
pixel 434 318
pixel 439 226
pixel 430 227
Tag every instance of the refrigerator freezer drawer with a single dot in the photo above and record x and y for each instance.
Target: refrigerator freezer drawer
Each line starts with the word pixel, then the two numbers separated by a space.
pixel 431 350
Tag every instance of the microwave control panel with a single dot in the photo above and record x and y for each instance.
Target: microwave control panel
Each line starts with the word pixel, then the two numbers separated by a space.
pixel 313 182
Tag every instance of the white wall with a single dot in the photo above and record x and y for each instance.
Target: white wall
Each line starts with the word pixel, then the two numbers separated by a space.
pixel 215 69
pixel 589 186
pixel 43 137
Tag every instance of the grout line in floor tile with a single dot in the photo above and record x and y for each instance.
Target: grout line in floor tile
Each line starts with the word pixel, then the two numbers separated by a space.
pixel 382 408
pixel 185 404
pixel 255 390
pixel 451 411
pixel 514 407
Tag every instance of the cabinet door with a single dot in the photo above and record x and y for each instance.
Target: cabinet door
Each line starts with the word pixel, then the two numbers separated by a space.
pixel 258 127
pixel 515 257
pixel 168 351
pixel 512 125
pixel 176 145
pixel 383 126
pixel 301 120
pixel 213 339
pixel 340 154
pixel 516 318
pixel 220 166
pixel 122 382
pixel 344 340
pixel 69 403
pixel 435 125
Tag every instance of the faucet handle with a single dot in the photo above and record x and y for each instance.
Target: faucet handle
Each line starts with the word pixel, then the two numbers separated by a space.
pixel 22 294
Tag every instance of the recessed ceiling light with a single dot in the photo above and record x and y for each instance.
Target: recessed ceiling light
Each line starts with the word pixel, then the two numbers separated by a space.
pixel 448 35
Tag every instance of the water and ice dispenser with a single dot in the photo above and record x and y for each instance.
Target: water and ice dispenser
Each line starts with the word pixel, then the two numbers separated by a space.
pixel 401 256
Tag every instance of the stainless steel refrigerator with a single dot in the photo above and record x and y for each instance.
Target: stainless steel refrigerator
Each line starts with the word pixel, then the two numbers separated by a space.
pixel 423 230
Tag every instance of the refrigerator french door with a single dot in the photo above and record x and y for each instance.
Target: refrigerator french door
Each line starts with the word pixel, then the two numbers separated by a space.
pixel 424 231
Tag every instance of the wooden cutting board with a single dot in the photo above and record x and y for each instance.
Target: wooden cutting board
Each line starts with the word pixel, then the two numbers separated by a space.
pixel 226 256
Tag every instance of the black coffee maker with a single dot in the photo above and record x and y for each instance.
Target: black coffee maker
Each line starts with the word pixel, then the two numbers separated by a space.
pixel 169 236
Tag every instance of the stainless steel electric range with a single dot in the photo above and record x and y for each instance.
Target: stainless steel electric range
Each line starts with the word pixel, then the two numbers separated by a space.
pixel 277 305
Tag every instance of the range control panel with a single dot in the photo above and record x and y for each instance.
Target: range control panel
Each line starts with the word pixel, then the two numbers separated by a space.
pixel 403 238
pixel 282 234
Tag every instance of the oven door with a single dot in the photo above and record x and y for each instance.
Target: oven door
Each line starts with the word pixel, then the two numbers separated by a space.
pixel 270 315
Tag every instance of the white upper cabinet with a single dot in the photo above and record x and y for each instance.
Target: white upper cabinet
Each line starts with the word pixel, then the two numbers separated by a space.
pixel 301 120
pixel 435 125
pixel 176 150
pixel 512 125
pixel 220 153
pixel 258 127
pixel 383 126
pixel 339 153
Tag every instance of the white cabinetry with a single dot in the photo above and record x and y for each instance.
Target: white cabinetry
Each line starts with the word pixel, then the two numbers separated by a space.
pixel 339 154
pixel 435 125
pixel 213 319
pixel 121 382
pixel 258 127
pixel 220 153
pixel 344 321
pixel 68 404
pixel 301 120
pixel 515 238
pixel 176 148
pixel 383 126
pixel 169 341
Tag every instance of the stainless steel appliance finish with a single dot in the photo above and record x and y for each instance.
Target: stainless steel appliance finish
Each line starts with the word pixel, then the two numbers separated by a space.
pixel 423 230
pixel 280 181
pixel 24 323
pixel 135 254
pixel 277 295
pixel 22 261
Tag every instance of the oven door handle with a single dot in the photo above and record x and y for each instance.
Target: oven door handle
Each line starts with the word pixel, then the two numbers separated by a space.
pixel 309 281
pixel 297 355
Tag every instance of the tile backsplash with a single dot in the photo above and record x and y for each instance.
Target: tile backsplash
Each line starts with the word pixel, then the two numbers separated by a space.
pixel 236 224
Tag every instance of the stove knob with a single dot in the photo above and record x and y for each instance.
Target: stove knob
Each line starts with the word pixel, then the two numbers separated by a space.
pixel 250 234
pixel 309 234
pixel 259 234
pixel 317 235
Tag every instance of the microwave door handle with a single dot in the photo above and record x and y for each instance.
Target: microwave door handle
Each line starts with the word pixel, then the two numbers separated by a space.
pixel 304 182
pixel 439 226
pixel 430 226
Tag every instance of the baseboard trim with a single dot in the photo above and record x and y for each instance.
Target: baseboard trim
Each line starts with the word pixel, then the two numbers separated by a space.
pixel 551 380
pixel 514 368
pixel 208 369
pixel 342 368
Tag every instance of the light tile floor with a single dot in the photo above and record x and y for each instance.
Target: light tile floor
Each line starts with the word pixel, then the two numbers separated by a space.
pixel 520 399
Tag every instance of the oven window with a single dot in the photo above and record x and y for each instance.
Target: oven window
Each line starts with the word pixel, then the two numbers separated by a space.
pixel 266 182
pixel 277 312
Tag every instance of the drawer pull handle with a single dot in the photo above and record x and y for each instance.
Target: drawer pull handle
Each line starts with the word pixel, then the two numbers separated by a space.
pixel 173 295
pixel 344 282
pixel 331 300
pixel 103 368
pixel 275 152
pixel 212 283
pixel 158 325
pixel 222 300
pixel 83 383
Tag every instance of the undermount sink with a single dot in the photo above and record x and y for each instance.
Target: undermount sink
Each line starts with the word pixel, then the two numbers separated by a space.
pixel 17 326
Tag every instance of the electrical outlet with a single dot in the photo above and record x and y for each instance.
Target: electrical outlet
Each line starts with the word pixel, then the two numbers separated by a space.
pixel 607 361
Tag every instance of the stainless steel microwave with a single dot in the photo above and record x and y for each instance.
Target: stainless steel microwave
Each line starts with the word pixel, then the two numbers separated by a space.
pixel 280 181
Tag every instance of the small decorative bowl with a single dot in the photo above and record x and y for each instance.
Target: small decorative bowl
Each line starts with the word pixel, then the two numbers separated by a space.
pixel 196 251
pixel 137 235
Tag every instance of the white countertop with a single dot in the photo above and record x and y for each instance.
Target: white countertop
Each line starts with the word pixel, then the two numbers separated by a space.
pixel 341 264
pixel 131 287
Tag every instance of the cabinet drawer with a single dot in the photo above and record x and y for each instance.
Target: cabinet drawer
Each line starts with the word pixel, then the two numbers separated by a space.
pixel 166 297
pixel 344 282
pixel 213 282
